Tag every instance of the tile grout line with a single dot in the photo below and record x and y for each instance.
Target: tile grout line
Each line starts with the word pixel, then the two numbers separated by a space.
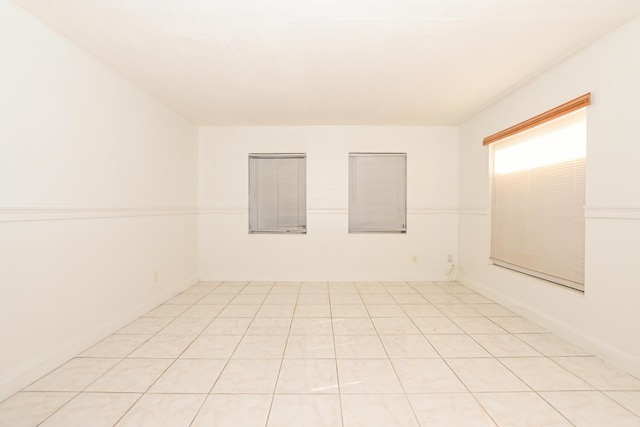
pixel 284 351
pixel 195 415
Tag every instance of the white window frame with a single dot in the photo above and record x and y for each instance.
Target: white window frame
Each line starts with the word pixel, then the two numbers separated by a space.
pixel 253 211
pixel 354 228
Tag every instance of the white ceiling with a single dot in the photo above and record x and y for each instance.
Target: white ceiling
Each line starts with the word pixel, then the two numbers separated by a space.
pixel 336 62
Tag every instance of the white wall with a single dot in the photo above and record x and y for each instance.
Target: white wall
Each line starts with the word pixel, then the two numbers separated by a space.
pixel 98 187
pixel 327 251
pixel 604 319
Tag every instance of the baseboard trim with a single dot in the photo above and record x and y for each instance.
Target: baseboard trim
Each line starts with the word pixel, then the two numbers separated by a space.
pixel 47 362
pixel 612 355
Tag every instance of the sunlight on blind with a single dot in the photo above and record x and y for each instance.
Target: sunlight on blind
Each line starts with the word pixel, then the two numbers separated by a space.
pixel 558 141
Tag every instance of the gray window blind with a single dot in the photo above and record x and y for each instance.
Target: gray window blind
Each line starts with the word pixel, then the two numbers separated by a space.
pixel 377 192
pixel 277 193
pixel 538 198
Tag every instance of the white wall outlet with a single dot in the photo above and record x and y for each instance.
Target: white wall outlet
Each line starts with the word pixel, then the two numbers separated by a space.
pixel 450 258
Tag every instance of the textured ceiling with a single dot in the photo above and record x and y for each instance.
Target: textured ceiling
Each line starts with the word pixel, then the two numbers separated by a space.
pixel 330 62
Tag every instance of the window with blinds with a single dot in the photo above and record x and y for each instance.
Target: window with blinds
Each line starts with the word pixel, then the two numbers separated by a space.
pixel 277 193
pixel 538 198
pixel 377 192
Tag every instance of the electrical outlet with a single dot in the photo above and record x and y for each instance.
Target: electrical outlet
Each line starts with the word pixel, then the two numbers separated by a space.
pixel 450 258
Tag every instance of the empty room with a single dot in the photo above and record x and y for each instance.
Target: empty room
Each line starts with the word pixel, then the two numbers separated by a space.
pixel 335 214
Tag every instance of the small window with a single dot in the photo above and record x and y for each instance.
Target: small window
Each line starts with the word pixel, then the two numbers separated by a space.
pixel 377 193
pixel 538 198
pixel 277 193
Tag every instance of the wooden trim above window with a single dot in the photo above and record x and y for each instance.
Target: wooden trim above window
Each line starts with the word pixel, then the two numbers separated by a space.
pixel 561 110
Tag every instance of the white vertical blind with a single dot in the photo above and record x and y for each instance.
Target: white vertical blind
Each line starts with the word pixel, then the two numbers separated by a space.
pixel 377 192
pixel 277 193
pixel 538 198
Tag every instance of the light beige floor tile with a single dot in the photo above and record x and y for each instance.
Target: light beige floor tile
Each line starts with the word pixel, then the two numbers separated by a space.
pixel 491 309
pixel 310 347
pixel 189 376
pixel 474 298
pixel 236 410
pixel 505 345
pixel 449 346
pixel 28 409
pixel 276 310
pixel 353 326
pixel 408 346
pixel 378 299
pixel 521 410
pixel 421 310
pixel 310 411
pixel 542 374
pixel 517 325
pixel 410 299
pixel 257 288
pixel 212 347
pixel 477 325
pixel 163 410
pixel 551 345
pixel 240 310
pixel 457 310
pixel 597 373
pixel 377 410
pixel 395 325
pixel 185 299
pixel 217 299
pixel 199 291
pixel 186 326
pixel 436 326
pixel 591 408
pixel 311 326
pixel 228 326
pixel 442 297
pixel 281 299
pixel 168 310
pixel 74 375
pixel 485 375
pixel 312 310
pixel 131 376
pixel 164 346
pixel 349 310
pixel 203 311
pixel 145 326
pixel 385 310
pixel 249 299
pixel 358 376
pixel 345 299
pixel 92 410
pixel 308 376
pixel 261 346
pixel 449 409
pixel 270 326
pixel 426 376
pixel 248 376
pixel 313 298
pixel 359 346
pixel 116 346
pixel 628 399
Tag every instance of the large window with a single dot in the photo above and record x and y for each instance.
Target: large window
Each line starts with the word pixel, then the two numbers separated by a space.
pixel 377 193
pixel 277 193
pixel 538 198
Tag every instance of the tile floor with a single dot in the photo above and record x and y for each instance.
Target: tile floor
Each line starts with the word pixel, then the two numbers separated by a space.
pixel 329 354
